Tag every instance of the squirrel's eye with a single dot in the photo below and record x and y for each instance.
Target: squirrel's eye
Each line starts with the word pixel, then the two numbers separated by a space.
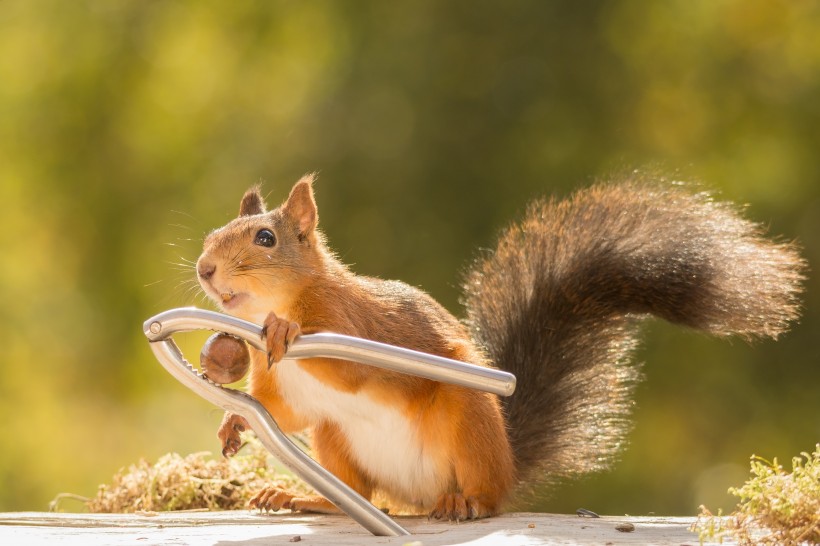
pixel 265 237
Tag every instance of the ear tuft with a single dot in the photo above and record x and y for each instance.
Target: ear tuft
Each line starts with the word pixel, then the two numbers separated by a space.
pixel 301 205
pixel 252 202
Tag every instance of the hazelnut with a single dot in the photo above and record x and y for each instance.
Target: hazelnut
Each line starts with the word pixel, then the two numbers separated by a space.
pixel 224 359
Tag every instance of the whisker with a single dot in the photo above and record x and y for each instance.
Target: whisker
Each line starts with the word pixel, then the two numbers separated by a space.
pixel 184 214
pixel 271 269
pixel 182 226
pixel 192 290
pixel 182 266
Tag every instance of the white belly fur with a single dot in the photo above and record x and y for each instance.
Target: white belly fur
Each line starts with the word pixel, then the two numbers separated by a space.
pixel 382 440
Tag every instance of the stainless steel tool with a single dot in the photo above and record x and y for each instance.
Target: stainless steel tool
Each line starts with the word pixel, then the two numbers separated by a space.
pixel 159 329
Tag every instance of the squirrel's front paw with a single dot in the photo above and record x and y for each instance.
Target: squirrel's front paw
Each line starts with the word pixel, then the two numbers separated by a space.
pixel 228 433
pixel 272 499
pixel 278 333
pixel 455 507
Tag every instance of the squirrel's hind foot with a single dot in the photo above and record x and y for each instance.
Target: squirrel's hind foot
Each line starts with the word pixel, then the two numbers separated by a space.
pixel 457 507
pixel 272 499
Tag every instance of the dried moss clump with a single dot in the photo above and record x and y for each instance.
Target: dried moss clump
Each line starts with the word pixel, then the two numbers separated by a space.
pixel 196 481
pixel 775 507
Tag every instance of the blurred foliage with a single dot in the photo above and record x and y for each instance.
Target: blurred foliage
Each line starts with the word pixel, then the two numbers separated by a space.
pixel 130 128
pixel 776 507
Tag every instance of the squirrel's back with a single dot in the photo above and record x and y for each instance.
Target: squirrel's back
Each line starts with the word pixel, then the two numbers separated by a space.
pixel 558 301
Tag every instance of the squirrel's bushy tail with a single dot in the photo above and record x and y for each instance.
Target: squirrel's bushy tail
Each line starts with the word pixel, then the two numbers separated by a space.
pixel 557 304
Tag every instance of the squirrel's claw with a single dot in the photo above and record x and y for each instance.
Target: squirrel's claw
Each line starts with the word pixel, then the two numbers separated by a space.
pixel 272 499
pixel 278 333
pixel 457 507
pixel 228 433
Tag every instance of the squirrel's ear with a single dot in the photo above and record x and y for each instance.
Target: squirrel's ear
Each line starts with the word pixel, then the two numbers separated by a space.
pixel 252 202
pixel 301 206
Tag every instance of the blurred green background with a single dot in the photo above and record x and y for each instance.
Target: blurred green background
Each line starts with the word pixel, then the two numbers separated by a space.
pixel 128 129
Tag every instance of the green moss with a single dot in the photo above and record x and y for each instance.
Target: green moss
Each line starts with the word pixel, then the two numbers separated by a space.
pixel 775 507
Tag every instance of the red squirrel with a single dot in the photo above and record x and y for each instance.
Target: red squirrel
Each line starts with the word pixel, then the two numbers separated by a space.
pixel 557 304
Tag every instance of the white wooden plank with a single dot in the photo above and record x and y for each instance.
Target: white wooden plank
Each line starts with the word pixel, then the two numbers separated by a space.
pixel 246 527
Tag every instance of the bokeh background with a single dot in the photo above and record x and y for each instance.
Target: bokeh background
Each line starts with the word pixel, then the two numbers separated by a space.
pixel 128 129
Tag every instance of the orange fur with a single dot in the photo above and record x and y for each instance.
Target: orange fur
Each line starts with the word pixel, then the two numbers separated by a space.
pixel 461 432
pixel 262 386
pixel 333 449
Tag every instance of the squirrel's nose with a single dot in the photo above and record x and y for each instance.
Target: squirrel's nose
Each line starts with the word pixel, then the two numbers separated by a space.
pixel 205 270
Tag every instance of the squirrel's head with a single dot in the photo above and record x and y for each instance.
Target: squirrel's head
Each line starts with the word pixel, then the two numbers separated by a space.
pixel 262 260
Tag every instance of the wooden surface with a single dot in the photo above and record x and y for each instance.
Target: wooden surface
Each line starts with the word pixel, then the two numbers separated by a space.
pixel 245 527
